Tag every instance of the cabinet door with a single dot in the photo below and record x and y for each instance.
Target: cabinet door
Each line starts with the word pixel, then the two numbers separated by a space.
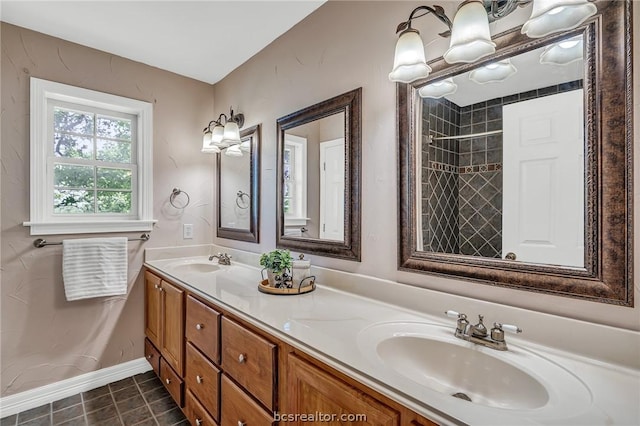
pixel 152 307
pixel 172 347
pixel 312 390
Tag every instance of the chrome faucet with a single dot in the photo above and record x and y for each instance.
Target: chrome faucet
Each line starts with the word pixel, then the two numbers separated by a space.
pixel 478 333
pixel 223 258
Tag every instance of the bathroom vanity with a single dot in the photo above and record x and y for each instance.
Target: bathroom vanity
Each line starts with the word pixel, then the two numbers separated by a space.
pixel 244 357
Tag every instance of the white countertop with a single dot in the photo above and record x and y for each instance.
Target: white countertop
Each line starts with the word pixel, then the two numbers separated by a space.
pixel 330 324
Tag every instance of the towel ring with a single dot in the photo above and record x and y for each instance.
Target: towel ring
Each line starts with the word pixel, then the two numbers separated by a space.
pixel 240 200
pixel 174 195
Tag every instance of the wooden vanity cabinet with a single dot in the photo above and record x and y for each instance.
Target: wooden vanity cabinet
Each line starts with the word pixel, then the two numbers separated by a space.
pixel 237 374
pixel 314 390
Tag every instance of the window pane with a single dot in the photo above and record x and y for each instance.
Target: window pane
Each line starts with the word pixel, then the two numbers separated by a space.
pixel 114 202
pixel 114 128
pixel 71 146
pixel 73 121
pixel 287 205
pixel 112 151
pixel 72 201
pixel 72 176
pixel 113 178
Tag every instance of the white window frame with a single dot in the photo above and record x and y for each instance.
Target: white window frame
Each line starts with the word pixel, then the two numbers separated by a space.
pixel 298 147
pixel 42 220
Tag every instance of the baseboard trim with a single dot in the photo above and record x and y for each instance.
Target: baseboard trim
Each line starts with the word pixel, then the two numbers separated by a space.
pixel 33 398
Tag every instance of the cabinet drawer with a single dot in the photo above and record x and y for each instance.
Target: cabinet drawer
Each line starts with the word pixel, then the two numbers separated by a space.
pixel 171 381
pixel 202 328
pixel 239 409
pixel 195 412
pixel 250 360
pixel 203 380
pixel 152 355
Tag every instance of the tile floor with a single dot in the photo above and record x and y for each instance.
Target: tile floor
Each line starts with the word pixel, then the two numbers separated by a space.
pixel 140 400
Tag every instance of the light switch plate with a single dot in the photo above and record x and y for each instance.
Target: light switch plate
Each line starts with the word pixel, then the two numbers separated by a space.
pixel 187 231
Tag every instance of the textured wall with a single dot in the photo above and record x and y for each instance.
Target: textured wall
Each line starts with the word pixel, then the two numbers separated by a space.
pixel 45 338
pixel 341 46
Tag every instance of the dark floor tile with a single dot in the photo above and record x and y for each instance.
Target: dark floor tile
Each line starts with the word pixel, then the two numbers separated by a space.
pixel 162 405
pixel 121 384
pixel 40 421
pixel 148 422
pixel 103 415
pixel 143 377
pixel 115 421
pixel 155 394
pixel 130 404
pixel 171 417
pixel 40 411
pixel 94 393
pixel 185 422
pixel 136 416
pixel 126 393
pixel 98 403
pixel 67 414
pixel 149 384
pixel 66 402
pixel 9 420
pixel 78 421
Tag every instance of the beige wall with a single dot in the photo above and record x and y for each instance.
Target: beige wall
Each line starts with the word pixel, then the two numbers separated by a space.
pixel 45 338
pixel 342 46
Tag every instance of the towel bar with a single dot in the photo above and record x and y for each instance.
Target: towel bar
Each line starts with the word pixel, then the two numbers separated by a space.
pixel 39 243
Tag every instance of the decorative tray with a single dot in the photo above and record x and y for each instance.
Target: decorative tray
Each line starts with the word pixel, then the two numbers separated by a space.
pixel 287 291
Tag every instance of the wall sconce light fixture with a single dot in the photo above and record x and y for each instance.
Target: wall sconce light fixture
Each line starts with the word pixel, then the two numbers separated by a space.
pixel 469 32
pixel 223 134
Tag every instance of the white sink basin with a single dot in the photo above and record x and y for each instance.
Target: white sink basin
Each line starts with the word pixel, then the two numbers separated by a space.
pixel 193 266
pixel 430 356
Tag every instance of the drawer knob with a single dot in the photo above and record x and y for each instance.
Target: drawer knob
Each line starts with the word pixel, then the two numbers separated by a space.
pixel 242 358
pixel 168 381
pixel 199 379
pixel 198 422
pixel 149 356
pixel 241 423
pixel 199 326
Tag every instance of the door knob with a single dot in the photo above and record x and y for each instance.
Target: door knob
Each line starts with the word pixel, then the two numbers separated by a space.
pixel 199 379
pixel 168 381
pixel 242 358
pixel 199 326
pixel 198 422
pixel 510 256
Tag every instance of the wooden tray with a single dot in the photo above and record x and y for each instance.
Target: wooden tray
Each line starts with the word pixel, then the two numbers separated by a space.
pixel 265 288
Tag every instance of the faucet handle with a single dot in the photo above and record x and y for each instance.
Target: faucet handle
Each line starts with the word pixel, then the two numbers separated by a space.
pixel 453 314
pixel 510 328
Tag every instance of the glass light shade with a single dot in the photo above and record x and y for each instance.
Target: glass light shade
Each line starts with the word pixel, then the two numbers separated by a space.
pixel 217 134
pixel 208 147
pixel 233 151
pixel 552 16
pixel 493 73
pixel 470 36
pixel 564 52
pixel 409 63
pixel 231 134
pixel 206 138
pixel 245 146
pixel 438 89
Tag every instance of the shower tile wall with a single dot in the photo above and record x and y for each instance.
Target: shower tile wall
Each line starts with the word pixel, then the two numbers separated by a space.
pixel 440 169
pixel 464 212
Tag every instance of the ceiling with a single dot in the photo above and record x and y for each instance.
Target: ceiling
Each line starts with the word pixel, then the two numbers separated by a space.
pixel 204 40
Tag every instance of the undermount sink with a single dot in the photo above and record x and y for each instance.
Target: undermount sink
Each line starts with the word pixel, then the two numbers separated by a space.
pixel 193 266
pixel 430 356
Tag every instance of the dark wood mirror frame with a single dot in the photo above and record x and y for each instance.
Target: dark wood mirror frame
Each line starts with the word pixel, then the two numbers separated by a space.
pixel 608 273
pixel 349 248
pixel 252 234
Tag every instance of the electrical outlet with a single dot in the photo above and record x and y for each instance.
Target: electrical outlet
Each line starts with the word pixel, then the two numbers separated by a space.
pixel 187 231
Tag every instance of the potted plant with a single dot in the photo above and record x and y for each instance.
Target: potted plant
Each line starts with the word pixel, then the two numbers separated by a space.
pixel 278 265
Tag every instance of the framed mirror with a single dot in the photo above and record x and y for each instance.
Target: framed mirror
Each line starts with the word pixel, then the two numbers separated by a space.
pixel 516 170
pixel 319 178
pixel 238 178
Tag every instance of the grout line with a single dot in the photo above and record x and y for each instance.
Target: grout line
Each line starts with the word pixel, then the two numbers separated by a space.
pixel 115 405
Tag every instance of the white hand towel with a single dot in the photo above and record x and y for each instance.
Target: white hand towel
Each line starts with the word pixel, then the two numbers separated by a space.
pixel 94 267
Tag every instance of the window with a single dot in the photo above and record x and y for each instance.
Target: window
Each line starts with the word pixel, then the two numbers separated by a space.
pixel 295 180
pixel 91 161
